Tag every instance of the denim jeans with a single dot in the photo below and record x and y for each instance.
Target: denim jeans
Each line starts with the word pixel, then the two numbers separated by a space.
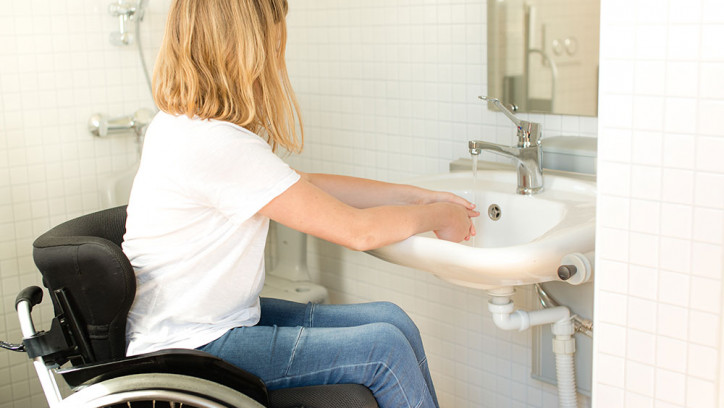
pixel 294 345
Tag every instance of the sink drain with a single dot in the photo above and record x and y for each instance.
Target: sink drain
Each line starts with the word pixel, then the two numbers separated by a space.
pixel 494 212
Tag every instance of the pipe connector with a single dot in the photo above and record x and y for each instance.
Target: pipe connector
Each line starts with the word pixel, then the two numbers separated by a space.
pixel 564 346
pixel 506 318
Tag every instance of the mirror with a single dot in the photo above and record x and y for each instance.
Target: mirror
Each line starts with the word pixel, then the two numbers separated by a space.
pixel 543 55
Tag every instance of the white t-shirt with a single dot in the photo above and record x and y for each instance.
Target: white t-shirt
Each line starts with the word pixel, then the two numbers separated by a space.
pixel 193 234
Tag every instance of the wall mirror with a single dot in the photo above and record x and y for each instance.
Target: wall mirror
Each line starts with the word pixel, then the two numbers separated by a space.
pixel 543 55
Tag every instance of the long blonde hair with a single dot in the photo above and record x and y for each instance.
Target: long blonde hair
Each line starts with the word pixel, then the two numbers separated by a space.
pixel 224 60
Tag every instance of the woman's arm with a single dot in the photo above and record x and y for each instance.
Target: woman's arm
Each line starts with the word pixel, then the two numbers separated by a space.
pixel 364 193
pixel 309 209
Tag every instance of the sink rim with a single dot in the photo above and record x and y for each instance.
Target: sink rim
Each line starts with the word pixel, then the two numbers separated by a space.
pixel 519 264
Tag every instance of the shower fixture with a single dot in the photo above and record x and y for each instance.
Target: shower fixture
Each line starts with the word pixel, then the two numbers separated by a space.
pixel 101 125
pixel 128 12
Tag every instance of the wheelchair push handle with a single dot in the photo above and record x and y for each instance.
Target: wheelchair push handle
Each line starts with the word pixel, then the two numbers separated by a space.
pixel 32 294
pixel 28 298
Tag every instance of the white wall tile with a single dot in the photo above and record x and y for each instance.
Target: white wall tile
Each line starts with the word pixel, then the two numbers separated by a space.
pixel 609 371
pixel 709 225
pixel 709 190
pixel 704 328
pixel 683 11
pixel 640 378
pixel 711 49
pixel 651 40
pixel 679 291
pixel 707 260
pixel 650 77
pixel 683 42
pixel 646 216
pixel 637 400
pixel 647 145
pixel 677 186
pixel 674 288
pixel 712 83
pixel 700 393
pixel 679 151
pixel 681 115
pixel 709 109
pixel 644 249
pixel 670 387
pixel 643 282
pixel 676 220
pixel 675 255
pixel 671 354
pixel 640 347
pixel 673 321
pixel 642 315
pixel 646 182
pixel 712 11
pixel 702 362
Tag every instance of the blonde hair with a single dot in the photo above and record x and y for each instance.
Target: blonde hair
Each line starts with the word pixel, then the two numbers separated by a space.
pixel 224 60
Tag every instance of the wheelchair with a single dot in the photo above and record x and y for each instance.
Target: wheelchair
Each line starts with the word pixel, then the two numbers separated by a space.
pixel 92 286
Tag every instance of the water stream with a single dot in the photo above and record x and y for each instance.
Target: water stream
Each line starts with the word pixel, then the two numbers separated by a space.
pixel 474 195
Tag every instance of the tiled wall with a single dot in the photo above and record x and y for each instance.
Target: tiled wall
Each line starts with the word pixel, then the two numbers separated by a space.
pixel 661 204
pixel 389 90
pixel 57 67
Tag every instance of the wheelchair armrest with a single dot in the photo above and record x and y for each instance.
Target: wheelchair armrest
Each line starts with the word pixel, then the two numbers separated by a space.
pixel 174 361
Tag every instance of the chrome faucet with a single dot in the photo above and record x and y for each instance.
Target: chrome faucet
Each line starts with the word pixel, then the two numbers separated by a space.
pixel 527 153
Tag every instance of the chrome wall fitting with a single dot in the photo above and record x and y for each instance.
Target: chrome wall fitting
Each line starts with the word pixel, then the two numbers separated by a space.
pixel 101 125
pixel 127 11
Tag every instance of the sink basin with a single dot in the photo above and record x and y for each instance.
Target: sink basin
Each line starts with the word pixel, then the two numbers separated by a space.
pixel 520 239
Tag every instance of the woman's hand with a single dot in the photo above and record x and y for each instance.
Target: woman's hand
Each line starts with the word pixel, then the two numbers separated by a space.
pixel 429 196
pixel 453 231
pixel 459 225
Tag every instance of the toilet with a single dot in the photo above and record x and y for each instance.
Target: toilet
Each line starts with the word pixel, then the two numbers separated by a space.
pixel 287 276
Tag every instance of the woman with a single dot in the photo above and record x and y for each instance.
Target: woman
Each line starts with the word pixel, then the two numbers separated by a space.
pixel 208 184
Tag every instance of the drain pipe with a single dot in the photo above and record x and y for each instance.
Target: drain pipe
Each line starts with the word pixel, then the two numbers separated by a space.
pixel 564 344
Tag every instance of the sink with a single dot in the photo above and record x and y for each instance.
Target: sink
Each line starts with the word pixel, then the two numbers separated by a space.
pixel 520 240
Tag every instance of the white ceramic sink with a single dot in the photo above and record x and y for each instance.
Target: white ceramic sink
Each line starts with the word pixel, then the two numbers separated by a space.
pixel 525 245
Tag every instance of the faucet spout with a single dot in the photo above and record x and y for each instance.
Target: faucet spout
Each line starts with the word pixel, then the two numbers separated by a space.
pixel 527 152
pixel 528 159
pixel 477 146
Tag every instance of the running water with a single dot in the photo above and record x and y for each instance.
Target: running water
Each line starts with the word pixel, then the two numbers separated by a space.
pixel 475 168
pixel 474 195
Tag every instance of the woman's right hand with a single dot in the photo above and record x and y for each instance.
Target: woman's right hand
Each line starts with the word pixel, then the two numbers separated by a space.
pixel 457 222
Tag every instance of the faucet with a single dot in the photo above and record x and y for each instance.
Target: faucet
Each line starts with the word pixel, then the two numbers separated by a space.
pixel 527 153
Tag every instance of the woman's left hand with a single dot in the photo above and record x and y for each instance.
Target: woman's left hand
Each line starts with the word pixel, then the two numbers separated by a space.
pixel 430 196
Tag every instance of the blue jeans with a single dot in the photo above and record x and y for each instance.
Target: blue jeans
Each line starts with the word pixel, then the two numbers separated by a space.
pixel 294 345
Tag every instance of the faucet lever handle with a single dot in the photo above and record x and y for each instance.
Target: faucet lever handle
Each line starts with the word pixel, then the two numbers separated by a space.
pixel 502 108
pixel 528 132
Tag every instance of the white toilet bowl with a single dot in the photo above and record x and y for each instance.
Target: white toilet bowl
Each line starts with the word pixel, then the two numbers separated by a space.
pixel 287 275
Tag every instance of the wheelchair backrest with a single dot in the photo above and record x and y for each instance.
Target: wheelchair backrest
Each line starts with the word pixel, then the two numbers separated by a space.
pixel 90 280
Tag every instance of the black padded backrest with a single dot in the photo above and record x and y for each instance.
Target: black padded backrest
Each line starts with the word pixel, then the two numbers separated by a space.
pixel 85 270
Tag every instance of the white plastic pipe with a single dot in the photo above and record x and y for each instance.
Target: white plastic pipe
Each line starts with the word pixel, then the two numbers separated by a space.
pixel 564 344
pixel 566 377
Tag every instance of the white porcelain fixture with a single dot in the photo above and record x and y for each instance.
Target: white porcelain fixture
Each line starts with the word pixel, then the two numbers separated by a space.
pixel 525 245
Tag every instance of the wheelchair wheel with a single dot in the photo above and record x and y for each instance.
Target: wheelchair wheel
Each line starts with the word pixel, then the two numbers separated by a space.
pixel 158 390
